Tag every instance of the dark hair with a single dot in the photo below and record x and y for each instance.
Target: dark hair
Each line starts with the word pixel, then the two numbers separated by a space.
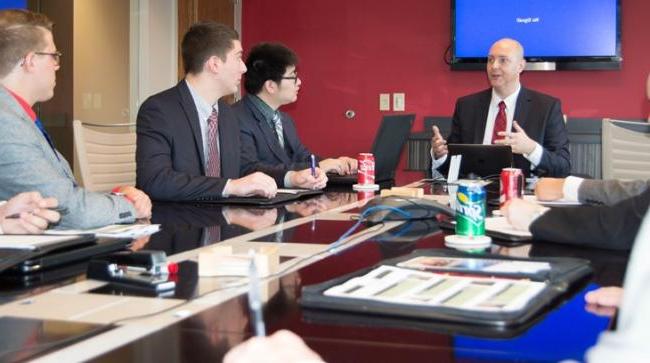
pixel 267 61
pixel 21 32
pixel 202 41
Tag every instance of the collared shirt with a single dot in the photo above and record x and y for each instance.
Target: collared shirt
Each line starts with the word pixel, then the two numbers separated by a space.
pixel 265 109
pixel 26 107
pixel 204 111
pixel 511 103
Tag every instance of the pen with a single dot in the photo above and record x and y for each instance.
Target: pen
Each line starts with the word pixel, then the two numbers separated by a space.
pixel 17 215
pixel 313 165
pixel 254 300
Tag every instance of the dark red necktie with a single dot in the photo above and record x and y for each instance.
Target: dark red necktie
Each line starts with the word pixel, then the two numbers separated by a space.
pixel 500 122
pixel 214 161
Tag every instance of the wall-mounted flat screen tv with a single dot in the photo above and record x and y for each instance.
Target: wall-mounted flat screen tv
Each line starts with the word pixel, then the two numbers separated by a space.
pixel 556 34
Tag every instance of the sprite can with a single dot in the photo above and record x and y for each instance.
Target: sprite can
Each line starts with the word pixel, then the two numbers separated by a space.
pixel 470 209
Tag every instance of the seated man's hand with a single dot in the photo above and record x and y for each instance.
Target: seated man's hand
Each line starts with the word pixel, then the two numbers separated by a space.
pixel 332 166
pixel 256 183
pixel 518 140
pixel 438 143
pixel 521 213
pixel 34 214
pixel 281 347
pixel 604 301
pixel 349 165
pixel 140 200
pixel 549 189
pixel 304 179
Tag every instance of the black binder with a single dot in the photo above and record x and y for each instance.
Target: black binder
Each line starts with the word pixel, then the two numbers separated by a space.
pixel 563 277
pixel 261 201
pixel 74 248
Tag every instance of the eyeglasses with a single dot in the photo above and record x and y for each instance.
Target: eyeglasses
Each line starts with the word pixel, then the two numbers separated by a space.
pixel 55 55
pixel 294 78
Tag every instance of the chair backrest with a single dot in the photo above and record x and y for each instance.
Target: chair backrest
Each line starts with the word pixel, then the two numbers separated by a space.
pixel 626 150
pixel 106 159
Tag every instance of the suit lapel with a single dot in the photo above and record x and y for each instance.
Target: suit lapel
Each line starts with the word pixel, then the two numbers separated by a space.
pixel 268 133
pixel 228 132
pixel 483 108
pixel 522 108
pixel 189 108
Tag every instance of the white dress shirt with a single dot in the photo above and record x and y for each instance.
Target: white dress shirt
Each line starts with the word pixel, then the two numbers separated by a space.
pixel 511 104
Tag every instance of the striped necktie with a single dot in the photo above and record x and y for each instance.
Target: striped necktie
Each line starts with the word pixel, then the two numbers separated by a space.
pixel 214 161
pixel 277 123
pixel 500 122
pixel 41 128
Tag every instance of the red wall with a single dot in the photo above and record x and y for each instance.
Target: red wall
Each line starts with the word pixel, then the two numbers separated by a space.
pixel 351 50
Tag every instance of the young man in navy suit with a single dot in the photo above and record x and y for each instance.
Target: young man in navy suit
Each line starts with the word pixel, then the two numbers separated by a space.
pixel 269 138
pixel 509 114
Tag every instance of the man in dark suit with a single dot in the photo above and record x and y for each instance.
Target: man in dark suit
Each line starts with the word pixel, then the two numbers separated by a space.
pixel 509 114
pixel 611 226
pixel 270 142
pixel 187 140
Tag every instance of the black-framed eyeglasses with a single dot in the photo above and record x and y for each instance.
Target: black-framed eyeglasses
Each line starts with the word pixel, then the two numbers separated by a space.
pixel 294 78
pixel 55 55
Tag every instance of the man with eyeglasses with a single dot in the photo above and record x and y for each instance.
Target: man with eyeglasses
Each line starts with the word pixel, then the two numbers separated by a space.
pixel 509 114
pixel 269 138
pixel 28 159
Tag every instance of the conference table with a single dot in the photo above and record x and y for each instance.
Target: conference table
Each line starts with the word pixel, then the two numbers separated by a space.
pixel 206 316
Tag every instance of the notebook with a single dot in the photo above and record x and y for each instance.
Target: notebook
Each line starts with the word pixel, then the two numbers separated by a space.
pixel 387 148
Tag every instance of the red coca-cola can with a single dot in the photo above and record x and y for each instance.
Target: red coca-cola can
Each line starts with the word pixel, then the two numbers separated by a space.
pixel 366 169
pixel 512 184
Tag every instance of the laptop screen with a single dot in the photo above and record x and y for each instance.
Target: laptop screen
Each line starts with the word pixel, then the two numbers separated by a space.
pixel 389 142
pixel 482 160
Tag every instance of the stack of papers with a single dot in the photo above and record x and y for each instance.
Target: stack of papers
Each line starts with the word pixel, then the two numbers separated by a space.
pixel 113 230
pixel 532 198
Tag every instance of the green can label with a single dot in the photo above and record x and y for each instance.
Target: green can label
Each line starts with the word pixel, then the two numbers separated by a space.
pixel 470 210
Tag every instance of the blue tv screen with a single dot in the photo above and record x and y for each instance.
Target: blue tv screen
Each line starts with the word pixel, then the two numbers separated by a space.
pixel 13 4
pixel 549 30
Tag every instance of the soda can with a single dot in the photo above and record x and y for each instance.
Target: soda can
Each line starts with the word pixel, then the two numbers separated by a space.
pixel 470 209
pixel 366 169
pixel 512 184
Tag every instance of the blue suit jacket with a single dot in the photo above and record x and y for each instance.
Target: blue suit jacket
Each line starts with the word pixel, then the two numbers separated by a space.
pixel 538 114
pixel 170 159
pixel 261 150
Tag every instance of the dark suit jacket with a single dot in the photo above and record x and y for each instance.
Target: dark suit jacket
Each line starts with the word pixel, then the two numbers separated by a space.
pixel 538 114
pixel 169 155
pixel 613 227
pixel 260 149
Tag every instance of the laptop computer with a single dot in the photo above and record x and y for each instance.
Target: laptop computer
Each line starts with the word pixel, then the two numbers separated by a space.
pixel 485 161
pixel 387 148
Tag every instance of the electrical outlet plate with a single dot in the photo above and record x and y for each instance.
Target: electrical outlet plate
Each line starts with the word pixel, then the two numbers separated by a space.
pixel 399 101
pixel 384 102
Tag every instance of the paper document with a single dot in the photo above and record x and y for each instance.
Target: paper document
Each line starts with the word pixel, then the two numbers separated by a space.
pixel 290 191
pixel 501 224
pixel 31 242
pixel 533 198
pixel 114 230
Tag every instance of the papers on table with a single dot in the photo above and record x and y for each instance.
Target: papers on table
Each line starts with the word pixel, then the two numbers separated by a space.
pixel 114 230
pixel 290 191
pixel 32 242
pixel 501 225
pixel 558 202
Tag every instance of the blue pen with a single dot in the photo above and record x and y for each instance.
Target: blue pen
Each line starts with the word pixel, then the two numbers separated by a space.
pixel 313 165
pixel 254 298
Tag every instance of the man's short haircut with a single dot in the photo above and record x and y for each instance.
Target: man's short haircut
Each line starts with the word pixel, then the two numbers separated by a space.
pixel 21 32
pixel 267 61
pixel 204 40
